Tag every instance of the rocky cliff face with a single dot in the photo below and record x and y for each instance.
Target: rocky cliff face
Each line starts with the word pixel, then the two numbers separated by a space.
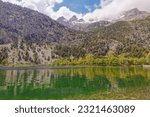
pixel 27 36
pixel 17 22
pixel 25 53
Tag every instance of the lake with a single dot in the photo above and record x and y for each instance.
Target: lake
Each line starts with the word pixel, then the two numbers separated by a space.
pixel 86 82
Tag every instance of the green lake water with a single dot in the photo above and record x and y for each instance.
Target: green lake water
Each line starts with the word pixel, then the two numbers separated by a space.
pixel 75 83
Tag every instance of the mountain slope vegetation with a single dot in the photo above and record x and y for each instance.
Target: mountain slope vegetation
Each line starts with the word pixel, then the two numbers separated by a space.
pixel 25 35
pixel 29 37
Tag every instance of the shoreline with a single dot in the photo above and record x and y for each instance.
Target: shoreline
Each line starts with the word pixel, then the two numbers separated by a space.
pixel 32 67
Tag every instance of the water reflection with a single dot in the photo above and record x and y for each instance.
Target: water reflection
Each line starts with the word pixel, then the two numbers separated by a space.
pixel 61 83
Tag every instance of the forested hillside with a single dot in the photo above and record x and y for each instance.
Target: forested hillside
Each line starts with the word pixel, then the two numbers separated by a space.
pixel 29 37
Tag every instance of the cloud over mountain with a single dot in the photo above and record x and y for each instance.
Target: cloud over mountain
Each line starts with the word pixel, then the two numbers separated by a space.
pixel 46 7
pixel 108 9
pixel 112 8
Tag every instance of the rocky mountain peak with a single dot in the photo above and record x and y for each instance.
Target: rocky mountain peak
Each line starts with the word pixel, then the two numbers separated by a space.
pixel 61 19
pixel 73 19
pixel 81 20
pixel 132 12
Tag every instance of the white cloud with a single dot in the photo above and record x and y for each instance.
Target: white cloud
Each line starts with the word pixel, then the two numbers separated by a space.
pixel 46 7
pixel 66 12
pixel 109 8
pixel 53 2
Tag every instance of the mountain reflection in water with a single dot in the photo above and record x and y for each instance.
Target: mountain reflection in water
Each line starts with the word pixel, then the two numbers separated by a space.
pixel 63 83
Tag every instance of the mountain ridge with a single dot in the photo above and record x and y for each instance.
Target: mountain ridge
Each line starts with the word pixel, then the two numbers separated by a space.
pixel 133 14
pixel 25 35
pixel 129 15
pixel 29 37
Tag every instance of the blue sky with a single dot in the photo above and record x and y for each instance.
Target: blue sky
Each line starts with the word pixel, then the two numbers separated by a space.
pixel 79 6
